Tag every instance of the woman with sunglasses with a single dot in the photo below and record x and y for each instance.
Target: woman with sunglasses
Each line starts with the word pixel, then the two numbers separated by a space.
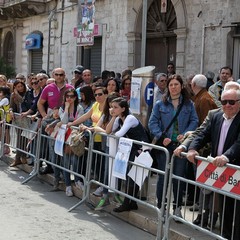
pixel 70 111
pixel 94 114
pixel 175 101
pixel 31 97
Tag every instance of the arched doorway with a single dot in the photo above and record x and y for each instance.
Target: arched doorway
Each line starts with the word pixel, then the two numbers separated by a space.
pixel 161 39
pixel 8 49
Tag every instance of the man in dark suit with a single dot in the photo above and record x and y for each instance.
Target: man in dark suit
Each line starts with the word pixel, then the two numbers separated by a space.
pixel 223 131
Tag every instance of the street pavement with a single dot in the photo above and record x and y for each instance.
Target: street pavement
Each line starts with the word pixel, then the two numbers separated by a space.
pixel 32 211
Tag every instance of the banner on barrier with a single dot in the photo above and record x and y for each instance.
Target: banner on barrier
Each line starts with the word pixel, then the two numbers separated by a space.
pixel 121 160
pixel 224 178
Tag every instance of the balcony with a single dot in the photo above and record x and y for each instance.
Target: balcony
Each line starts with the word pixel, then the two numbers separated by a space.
pixel 10 9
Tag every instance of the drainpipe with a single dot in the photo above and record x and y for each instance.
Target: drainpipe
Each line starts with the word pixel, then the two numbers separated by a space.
pixel 144 33
pixel 50 17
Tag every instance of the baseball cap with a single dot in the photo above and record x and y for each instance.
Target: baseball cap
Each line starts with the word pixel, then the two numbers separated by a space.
pixel 79 69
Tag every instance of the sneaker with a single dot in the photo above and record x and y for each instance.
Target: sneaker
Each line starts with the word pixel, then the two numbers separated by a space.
pixel 79 185
pixel 118 199
pixel 69 192
pixel 103 202
pixel 98 192
pixel 177 212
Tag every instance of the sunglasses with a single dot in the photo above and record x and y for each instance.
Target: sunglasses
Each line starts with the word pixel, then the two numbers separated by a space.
pixel 231 102
pixel 98 94
pixel 70 96
pixel 59 74
pixel 35 83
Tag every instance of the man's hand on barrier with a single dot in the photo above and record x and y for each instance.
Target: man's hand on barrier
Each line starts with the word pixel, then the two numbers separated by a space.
pixel 219 161
pixel 191 154
pixel 177 152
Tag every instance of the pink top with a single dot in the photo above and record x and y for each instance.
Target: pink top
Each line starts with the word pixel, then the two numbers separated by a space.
pixel 51 93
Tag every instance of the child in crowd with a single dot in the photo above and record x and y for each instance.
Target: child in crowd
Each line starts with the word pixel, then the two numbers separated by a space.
pixel 4 106
pixel 51 123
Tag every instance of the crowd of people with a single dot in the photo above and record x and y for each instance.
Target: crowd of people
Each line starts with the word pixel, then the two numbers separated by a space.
pixel 197 115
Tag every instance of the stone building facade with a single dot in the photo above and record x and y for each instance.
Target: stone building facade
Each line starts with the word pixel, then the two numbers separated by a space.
pixel 196 35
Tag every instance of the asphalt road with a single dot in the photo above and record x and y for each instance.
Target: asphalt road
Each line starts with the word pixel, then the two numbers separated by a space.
pixel 32 211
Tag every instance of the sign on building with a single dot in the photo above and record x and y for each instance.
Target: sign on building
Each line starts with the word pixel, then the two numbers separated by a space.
pixel 86 21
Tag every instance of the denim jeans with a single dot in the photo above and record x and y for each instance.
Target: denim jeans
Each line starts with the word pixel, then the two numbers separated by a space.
pixel 178 170
pixel 54 158
pixel 68 160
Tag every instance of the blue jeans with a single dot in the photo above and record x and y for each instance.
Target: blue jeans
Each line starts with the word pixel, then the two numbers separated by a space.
pixel 54 158
pixel 178 170
pixel 68 160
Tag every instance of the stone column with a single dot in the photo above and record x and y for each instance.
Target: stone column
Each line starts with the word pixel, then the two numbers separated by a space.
pixel 134 50
pixel 181 50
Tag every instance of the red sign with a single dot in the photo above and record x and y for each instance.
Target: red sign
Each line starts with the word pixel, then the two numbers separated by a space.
pixel 225 178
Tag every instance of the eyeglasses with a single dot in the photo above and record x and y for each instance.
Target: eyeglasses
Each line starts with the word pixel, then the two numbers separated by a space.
pixel 231 102
pixel 70 96
pixel 98 94
pixel 41 79
pixel 35 83
pixel 163 81
pixel 59 74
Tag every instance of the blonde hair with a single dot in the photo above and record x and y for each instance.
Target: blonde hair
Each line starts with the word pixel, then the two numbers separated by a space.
pixel 3 77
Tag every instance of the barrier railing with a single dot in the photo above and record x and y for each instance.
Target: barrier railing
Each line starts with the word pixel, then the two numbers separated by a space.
pixel 97 176
pixel 91 166
pixel 208 207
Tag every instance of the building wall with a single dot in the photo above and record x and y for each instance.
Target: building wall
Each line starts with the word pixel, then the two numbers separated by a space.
pixel 214 15
pixel 121 35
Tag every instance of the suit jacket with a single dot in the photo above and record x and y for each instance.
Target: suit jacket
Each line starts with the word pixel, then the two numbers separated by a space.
pixel 205 123
pixel 211 133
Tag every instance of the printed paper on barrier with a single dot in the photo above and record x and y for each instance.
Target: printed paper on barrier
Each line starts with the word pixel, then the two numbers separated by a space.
pixel 224 178
pixel 59 142
pixel 139 174
pixel 121 160
pixel 112 152
pixel 33 126
pixel 135 100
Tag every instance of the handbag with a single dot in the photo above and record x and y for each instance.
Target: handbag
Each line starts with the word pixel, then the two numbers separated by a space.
pixel 77 142
pixel 159 141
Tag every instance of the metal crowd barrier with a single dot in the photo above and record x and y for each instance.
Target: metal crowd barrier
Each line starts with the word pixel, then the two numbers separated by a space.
pixel 21 137
pixel 97 160
pixel 218 202
pixel 70 163
pixel 91 168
